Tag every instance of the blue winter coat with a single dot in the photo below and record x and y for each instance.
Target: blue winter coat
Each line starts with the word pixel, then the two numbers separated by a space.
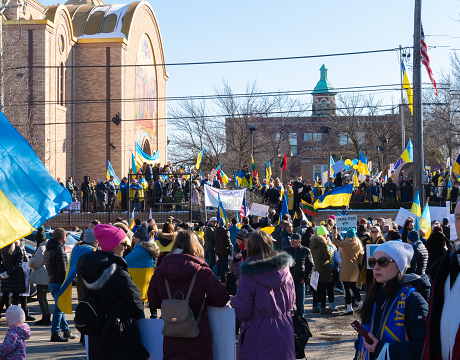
pixel 266 295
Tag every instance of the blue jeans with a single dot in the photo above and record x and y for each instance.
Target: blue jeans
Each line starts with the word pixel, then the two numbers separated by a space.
pixel 223 267
pixel 212 259
pixel 58 323
pixel 300 299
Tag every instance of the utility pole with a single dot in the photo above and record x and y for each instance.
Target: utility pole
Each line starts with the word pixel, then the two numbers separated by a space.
pixel 418 120
pixel 403 129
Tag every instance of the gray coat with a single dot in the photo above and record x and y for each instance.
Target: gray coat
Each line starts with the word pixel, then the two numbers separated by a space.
pixel 39 275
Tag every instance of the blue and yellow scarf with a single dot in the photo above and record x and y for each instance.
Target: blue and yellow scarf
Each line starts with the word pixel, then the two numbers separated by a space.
pixel 392 329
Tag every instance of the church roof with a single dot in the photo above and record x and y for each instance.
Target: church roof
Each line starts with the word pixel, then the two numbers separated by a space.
pixel 324 86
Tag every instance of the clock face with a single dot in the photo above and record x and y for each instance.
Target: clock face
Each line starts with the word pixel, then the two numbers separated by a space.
pixel 61 43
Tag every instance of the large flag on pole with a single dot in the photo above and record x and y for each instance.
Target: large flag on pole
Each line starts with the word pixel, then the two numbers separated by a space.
pixel 284 206
pixel 415 209
pixel 336 197
pixel 110 173
pixel 199 158
pixel 456 168
pixel 29 195
pixel 133 163
pixel 426 59
pixel 141 157
pixel 424 221
pixel 408 87
pixel 221 211
pixel 407 155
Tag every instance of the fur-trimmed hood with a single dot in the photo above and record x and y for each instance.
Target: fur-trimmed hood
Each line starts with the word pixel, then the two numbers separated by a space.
pixel 151 247
pixel 164 238
pixel 272 272
pixel 317 240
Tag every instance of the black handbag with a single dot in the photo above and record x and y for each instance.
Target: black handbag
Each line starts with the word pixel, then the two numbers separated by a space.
pixel 230 283
pixel 302 334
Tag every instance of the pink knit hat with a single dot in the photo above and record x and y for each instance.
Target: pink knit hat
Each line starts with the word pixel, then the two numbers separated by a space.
pixel 108 236
pixel 332 217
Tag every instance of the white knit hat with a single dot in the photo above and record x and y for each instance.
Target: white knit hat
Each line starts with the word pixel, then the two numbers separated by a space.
pixel 400 252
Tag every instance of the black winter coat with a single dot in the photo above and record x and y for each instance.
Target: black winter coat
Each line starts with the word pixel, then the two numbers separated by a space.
pixel 436 245
pixel 55 260
pixel 415 324
pixel 12 264
pixel 419 260
pixel 223 244
pixel 276 235
pixel 107 275
pixel 303 266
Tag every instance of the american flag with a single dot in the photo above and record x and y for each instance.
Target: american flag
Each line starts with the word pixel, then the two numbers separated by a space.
pixel 426 59
pixel 244 208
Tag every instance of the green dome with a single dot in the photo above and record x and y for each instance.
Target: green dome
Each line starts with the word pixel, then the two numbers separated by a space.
pixel 324 86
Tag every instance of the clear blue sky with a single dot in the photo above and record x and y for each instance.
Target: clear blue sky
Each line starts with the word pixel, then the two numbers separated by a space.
pixel 216 30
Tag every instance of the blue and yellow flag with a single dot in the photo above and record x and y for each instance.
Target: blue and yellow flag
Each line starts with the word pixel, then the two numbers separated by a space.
pixel 199 158
pixel 424 221
pixel 221 211
pixel 269 170
pixel 133 164
pixel 141 157
pixel 131 220
pixel 284 206
pixel 241 179
pixel 407 155
pixel 65 293
pixel 415 209
pixel 355 180
pixel 140 267
pixel 408 87
pixel 362 164
pixel 456 167
pixel 29 195
pixel 336 197
pixel 110 173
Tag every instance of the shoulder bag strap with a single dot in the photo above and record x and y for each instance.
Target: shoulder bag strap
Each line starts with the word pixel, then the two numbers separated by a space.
pixel 191 286
pixel 167 289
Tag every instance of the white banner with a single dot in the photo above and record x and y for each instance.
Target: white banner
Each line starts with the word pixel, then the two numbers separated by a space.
pixel 231 199
pixel 259 210
pixel 346 222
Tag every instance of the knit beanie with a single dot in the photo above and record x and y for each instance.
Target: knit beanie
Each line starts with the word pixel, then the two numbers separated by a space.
pixel 15 316
pixel 141 233
pixel 351 233
pixel 400 252
pixel 241 234
pixel 332 217
pixel 40 236
pixel 89 236
pixel 362 221
pixel 413 236
pixel 108 236
pixel 386 228
pixel 322 231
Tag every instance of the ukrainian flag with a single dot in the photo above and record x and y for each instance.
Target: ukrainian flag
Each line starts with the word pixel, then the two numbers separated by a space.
pixel 336 197
pixel 142 157
pixel 241 178
pixel 456 167
pixel 29 195
pixel 131 220
pixel 65 293
pixel 110 173
pixel 415 209
pixel 140 267
pixel 269 170
pixel 199 158
pixel 355 180
pixel 221 211
pixel 362 164
pixel 408 87
pixel 133 163
pixel 424 221
pixel 284 206
pixel 407 155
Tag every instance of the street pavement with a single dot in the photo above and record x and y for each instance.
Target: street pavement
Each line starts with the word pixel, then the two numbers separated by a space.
pixel 333 336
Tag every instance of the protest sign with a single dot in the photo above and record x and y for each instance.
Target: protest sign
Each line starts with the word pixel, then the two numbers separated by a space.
pixel 402 216
pixel 370 249
pixel 231 199
pixel 259 210
pixel 438 213
pixel 346 222
pixel 222 324
pixel 453 232
pixel 338 166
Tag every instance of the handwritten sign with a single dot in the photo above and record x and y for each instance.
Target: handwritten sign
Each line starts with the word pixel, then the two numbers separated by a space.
pixel 346 222
pixel 403 214
pixel 231 199
pixel 259 210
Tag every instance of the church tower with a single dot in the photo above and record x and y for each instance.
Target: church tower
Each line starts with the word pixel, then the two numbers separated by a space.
pixel 323 96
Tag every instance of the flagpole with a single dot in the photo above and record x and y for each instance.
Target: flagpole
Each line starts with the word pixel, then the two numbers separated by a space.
pixel 403 130
pixel 418 120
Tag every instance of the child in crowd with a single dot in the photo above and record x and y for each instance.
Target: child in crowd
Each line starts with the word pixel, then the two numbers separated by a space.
pixel 14 344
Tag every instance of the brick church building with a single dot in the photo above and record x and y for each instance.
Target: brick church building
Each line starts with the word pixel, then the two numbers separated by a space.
pixel 68 70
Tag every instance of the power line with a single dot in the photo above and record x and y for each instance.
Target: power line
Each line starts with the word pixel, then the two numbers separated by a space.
pixel 214 62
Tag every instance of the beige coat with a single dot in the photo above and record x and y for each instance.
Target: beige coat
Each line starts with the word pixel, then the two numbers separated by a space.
pixel 352 255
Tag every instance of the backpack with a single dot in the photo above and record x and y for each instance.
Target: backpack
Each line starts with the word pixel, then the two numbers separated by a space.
pixel 89 317
pixel 302 334
pixel 178 316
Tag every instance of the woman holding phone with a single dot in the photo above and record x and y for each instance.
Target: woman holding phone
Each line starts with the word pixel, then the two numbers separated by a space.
pixel 394 313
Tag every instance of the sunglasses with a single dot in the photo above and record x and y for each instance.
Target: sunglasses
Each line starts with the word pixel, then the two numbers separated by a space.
pixel 383 262
pixel 374 232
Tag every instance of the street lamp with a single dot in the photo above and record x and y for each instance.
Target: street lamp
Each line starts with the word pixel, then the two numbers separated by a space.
pixel 384 141
pixel 381 149
pixel 327 130
pixel 252 128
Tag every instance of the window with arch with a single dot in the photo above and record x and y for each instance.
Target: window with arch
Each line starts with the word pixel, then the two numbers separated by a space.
pixel 323 107
pixel 61 84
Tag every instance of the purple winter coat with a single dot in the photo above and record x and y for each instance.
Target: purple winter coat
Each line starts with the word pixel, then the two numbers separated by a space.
pixel 266 295
pixel 179 269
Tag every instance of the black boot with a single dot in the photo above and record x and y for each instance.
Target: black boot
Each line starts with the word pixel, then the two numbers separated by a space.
pixel 56 337
pixel 46 320
pixel 28 317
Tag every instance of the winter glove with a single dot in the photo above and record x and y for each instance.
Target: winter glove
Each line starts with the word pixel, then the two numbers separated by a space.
pixel 4 275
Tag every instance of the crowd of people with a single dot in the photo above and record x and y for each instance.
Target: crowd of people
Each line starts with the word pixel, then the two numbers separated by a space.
pixel 266 267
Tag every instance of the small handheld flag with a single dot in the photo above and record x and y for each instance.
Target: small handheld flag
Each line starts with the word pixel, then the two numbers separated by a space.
pixel 244 207
pixel 199 158
pixel 221 211
pixel 415 209
pixel 131 220
pixel 110 173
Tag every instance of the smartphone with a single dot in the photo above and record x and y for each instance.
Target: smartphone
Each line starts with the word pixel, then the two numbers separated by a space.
pixel 362 331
